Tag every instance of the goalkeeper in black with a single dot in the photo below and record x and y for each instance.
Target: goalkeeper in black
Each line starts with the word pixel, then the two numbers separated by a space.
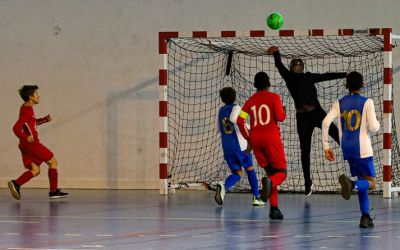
pixel 309 113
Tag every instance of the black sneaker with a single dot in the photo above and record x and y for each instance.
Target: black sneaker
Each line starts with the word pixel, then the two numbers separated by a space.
pixel 347 186
pixel 266 189
pixel 57 194
pixel 14 189
pixel 275 213
pixel 366 221
pixel 308 189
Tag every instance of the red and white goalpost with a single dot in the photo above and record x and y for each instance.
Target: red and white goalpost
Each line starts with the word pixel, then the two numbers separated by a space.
pixel 386 33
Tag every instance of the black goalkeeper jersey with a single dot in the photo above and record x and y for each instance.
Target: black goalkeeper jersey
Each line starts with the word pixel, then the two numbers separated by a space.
pixel 302 85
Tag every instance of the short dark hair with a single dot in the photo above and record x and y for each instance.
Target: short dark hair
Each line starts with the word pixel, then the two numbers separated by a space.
pixel 228 95
pixel 261 81
pixel 26 91
pixel 354 81
pixel 296 61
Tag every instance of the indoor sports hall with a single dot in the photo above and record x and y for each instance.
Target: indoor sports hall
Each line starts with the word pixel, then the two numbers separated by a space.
pixel 118 141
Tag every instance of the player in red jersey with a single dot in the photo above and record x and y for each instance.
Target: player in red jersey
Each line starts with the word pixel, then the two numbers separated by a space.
pixel 33 151
pixel 265 110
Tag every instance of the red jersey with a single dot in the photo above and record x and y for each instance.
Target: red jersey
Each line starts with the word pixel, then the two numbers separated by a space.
pixel 26 124
pixel 265 110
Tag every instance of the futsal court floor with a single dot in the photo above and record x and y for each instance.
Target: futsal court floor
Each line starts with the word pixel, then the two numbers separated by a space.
pixel 143 219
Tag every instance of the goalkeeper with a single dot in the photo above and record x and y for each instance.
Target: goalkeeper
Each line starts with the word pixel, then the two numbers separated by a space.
pixel 309 113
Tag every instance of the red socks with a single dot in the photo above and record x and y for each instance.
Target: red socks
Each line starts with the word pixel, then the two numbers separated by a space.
pixel 53 179
pixel 24 178
pixel 276 180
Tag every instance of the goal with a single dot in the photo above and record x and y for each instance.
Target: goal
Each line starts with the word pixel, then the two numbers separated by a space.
pixel 195 66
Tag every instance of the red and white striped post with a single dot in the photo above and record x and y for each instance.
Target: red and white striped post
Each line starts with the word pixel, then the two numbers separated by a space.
pixel 387 113
pixel 163 111
pixel 387 100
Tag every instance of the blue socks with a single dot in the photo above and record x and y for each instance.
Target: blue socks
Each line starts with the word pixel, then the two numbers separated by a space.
pixel 362 186
pixel 253 182
pixel 231 180
pixel 364 202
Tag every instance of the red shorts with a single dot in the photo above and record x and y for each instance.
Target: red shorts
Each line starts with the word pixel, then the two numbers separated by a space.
pixel 268 150
pixel 34 152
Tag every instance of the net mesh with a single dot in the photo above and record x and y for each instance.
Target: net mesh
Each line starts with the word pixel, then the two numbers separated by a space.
pixel 197 71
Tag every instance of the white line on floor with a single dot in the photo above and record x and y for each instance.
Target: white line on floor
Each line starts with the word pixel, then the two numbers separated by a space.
pixel 16 221
pixel 73 234
pixel 104 235
pixel 302 236
pixel 18 248
pixel 336 236
pixel 372 236
pixel 168 235
pixel 201 236
pixel 41 234
pixel 12 233
pixel 269 236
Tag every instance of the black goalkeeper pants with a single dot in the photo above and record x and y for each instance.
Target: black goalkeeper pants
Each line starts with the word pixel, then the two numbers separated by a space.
pixel 306 122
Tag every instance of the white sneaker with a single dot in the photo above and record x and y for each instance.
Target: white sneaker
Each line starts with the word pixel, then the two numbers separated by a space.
pixel 257 202
pixel 220 193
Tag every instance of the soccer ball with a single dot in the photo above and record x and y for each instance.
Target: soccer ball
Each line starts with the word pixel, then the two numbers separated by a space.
pixel 275 21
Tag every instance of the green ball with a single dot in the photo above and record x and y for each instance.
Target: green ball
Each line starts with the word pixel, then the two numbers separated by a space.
pixel 275 21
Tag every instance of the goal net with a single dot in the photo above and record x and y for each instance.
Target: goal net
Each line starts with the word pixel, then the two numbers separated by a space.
pixel 199 67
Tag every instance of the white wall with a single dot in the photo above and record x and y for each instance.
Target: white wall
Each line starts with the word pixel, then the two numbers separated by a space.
pixel 96 63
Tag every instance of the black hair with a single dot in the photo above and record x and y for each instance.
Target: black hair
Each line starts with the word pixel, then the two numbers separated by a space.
pixel 296 62
pixel 26 91
pixel 261 81
pixel 228 95
pixel 354 81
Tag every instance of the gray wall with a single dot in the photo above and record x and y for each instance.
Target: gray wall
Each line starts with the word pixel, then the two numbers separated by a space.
pixel 96 63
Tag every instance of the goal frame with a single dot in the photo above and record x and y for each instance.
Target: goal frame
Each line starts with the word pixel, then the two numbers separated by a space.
pixel 387 88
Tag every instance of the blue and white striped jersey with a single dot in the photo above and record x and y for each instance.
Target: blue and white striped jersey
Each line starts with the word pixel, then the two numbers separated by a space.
pixel 232 139
pixel 356 119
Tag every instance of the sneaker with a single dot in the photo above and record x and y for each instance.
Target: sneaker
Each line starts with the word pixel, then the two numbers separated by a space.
pixel 257 202
pixel 366 221
pixel 266 189
pixel 308 189
pixel 220 193
pixel 275 213
pixel 346 185
pixel 57 194
pixel 14 189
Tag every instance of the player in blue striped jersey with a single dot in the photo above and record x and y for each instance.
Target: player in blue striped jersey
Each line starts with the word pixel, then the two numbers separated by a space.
pixel 356 120
pixel 235 147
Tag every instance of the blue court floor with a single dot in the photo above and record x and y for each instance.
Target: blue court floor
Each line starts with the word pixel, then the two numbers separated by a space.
pixel 132 219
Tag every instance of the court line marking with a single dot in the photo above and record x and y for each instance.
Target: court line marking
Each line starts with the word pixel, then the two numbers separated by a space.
pixel 12 234
pixel 15 221
pixel 74 235
pixel 302 236
pixel 371 236
pixel 183 218
pixel 168 235
pixel 269 236
pixel 19 248
pixel 41 234
pixel 201 236
pixel 104 235
pixel 92 246
pixel 337 236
